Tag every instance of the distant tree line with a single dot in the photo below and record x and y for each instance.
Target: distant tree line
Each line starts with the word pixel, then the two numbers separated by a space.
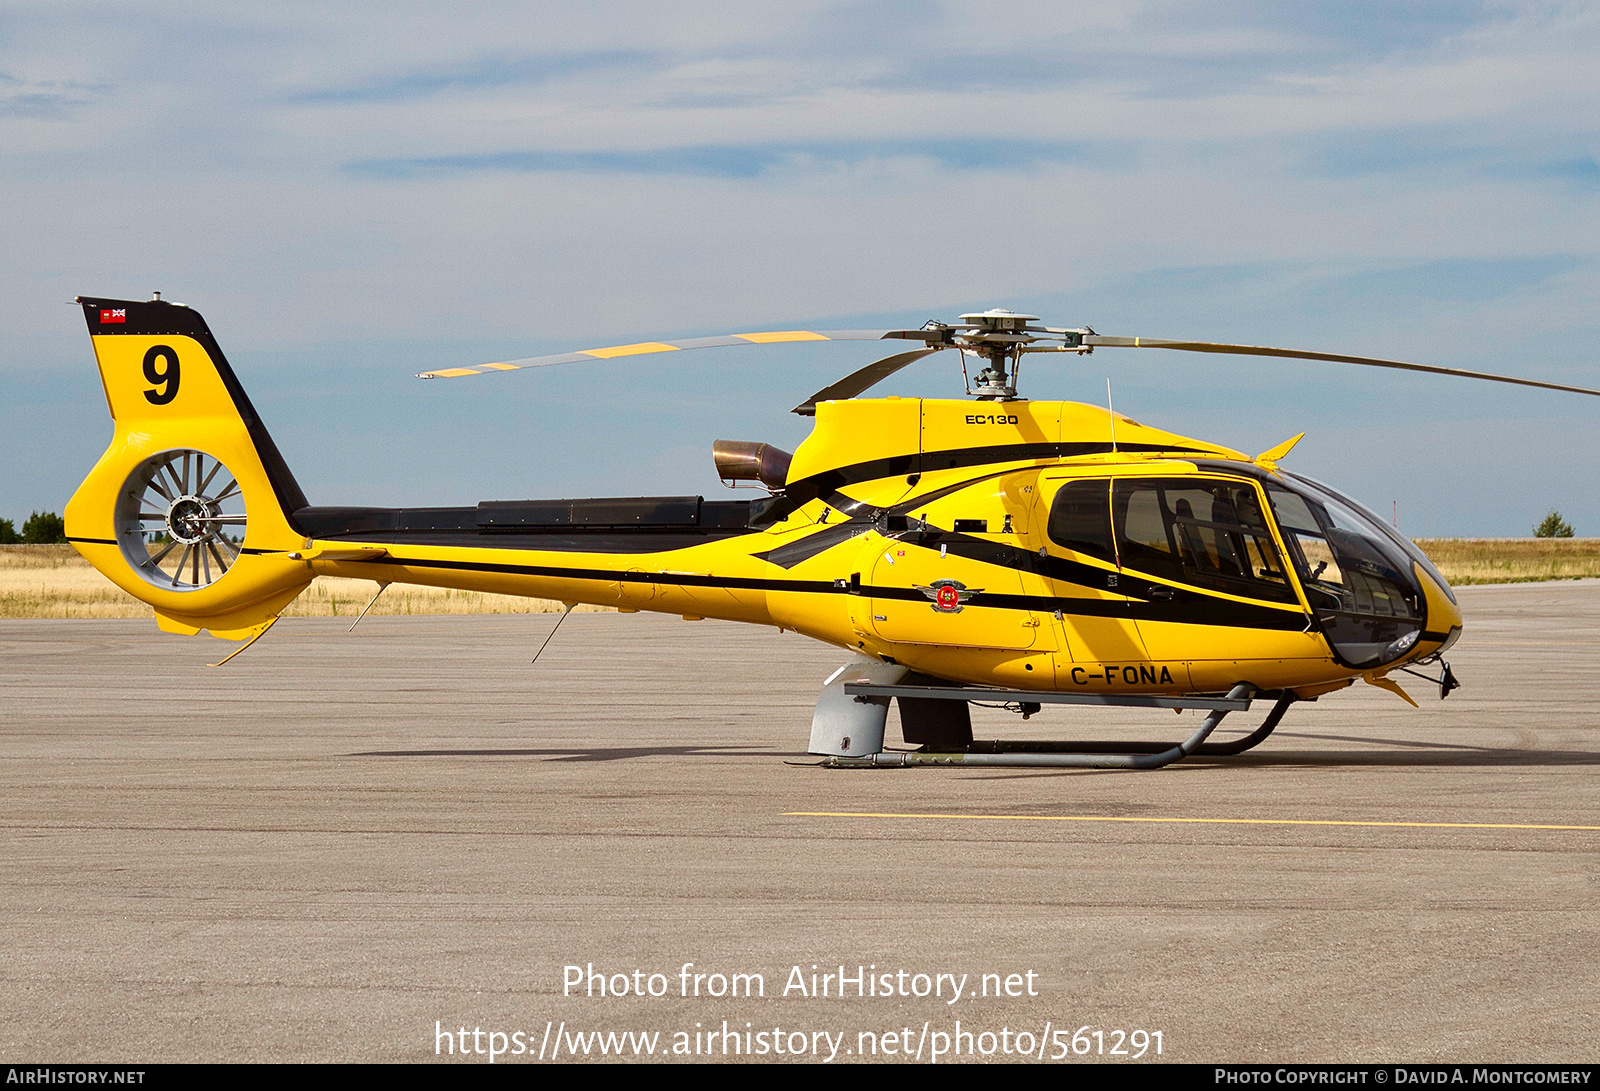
pixel 40 528
pixel 1553 526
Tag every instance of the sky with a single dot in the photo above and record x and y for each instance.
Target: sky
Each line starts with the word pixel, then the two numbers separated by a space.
pixel 352 193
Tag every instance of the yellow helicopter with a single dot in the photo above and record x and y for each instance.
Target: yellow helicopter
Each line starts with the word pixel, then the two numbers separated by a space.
pixel 992 550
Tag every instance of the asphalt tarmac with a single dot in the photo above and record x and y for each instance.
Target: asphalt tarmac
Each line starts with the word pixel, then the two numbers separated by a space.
pixel 354 846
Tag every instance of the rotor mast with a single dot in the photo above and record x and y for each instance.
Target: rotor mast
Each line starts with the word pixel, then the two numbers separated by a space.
pixel 999 338
pixel 996 337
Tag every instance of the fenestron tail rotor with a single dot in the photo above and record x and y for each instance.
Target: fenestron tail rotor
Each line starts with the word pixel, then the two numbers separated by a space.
pixel 180 519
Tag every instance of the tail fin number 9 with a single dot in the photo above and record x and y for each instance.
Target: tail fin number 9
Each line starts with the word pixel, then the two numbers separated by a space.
pixel 161 368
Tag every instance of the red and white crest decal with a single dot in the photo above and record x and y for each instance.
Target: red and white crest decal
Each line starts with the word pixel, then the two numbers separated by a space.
pixel 947 595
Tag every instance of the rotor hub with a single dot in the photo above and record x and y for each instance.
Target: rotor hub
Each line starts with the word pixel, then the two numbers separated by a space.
pixel 998 336
pixel 181 520
pixel 998 320
pixel 190 520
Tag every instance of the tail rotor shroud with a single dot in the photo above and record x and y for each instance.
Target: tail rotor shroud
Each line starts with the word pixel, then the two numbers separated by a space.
pixel 180 519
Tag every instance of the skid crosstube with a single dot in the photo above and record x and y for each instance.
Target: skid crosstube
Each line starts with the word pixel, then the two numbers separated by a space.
pixel 959 749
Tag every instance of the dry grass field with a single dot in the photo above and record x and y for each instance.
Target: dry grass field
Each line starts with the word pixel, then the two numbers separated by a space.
pixel 1465 561
pixel 53 581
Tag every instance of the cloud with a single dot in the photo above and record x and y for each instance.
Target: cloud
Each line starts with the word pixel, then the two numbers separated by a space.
pixel 1184 50
pixel 730 161
pixel 1583 172
pixel 40 105
pixel 1414 180
pixel 1456 152
pixel 43 100
pixel 1457 279
pixel 482 73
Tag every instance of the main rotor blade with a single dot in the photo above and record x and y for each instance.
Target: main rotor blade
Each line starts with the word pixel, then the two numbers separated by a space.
pixel 1099 341
pixel 647 347
pixel 857 381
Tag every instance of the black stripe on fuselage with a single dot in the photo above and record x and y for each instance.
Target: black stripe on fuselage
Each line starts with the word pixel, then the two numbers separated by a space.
pixel 637 542
pixel 793 553
pixel 678 579
pixel 1212 612
pixel 862 518
pixel 797 494
pixel 1184 605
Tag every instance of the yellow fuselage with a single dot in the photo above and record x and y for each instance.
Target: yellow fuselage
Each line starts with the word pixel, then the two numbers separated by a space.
pixel 913 530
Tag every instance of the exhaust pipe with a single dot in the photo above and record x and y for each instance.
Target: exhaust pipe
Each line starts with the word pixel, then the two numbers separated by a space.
pixel 744 460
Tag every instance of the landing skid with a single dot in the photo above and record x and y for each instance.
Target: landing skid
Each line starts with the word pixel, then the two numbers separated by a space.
pixel 849 722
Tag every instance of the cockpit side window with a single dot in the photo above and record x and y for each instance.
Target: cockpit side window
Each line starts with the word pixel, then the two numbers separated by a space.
pixel 1080 519
pixel 1206 533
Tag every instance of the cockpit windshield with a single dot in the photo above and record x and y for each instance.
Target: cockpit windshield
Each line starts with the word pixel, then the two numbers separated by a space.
pixel 1394 536
pixel 1357 576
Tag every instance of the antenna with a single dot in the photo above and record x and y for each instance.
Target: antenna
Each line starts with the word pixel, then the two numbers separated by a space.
pixel 553 628
pixel 1112 415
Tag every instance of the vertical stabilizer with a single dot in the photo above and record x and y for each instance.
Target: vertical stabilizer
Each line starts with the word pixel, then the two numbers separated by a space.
pixel 191 508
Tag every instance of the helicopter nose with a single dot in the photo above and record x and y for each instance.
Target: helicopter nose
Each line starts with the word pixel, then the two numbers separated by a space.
pixel 1442 618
